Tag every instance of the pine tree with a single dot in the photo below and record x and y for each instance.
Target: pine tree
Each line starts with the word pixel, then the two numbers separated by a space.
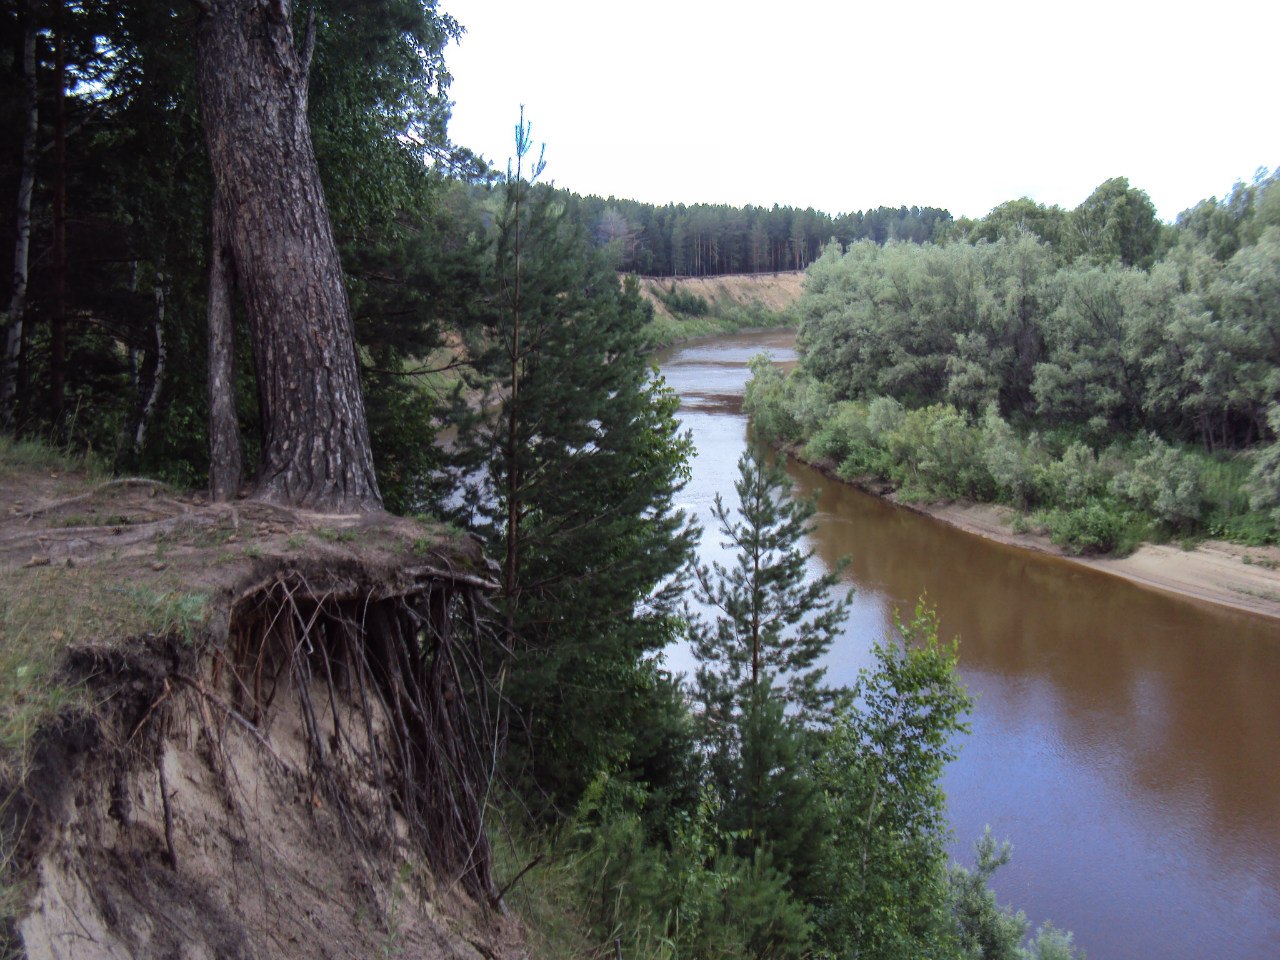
pixel 758 680
pixel 772 620
pixel 579 458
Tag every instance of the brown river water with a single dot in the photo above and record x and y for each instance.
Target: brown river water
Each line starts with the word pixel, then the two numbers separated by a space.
pixel 1126 741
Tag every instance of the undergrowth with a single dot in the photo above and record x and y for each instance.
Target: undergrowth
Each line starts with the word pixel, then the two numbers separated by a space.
pixel 665 330
pixel 19 456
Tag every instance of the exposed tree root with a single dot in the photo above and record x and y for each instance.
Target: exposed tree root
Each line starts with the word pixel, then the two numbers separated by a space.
pixel 349 696
pixel 391 693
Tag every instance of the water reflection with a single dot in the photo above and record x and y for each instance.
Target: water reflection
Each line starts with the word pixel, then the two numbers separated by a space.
pixel 1127 741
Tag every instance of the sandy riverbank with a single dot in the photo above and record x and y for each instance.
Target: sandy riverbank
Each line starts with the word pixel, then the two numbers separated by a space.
pixel 1246 578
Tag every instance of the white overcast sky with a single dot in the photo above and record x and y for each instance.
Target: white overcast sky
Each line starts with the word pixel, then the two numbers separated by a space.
pixel 851 105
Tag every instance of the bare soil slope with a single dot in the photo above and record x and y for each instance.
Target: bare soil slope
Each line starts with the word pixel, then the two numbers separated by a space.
pixel 773 291
pixel 230 783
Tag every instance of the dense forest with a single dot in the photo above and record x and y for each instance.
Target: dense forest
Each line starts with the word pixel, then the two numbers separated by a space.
pixel 1112 375
pixel 750 810
pixel 701 240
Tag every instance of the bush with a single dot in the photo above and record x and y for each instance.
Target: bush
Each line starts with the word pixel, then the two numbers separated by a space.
pixel 884 416
pixel 691 898
pixel 770 402
pixel 1164 483
pixel 1094 528
pixel 1074 479
pixel 1008 459
pixel 1264 478
pixel 843 433
pixel 685 302
pixel 937 453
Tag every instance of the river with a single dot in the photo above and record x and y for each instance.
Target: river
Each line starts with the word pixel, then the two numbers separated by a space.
pixel 1126 741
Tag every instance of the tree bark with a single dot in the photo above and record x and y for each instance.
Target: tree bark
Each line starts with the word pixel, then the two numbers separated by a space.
pixel 149 388
pixel 253 97
pixel 58 318
pixel 225 464
pixel 22 243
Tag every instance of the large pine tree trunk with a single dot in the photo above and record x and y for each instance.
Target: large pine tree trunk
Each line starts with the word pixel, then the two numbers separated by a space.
pixel 13 338
pixel 253 96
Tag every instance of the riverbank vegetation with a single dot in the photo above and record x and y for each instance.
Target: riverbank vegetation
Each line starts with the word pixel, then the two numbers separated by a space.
pixel 752 812
pixel 687 308
pixel 1112 377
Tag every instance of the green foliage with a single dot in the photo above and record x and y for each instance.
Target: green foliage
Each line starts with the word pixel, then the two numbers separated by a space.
pixel 1264 478
pixel 887 882
pixel 842 435
pixel 771 621
pixel 1165 483
pixel 987 931
pixel 570 467
pixel 1093 528
pixel 1115 223
pixel 784 408
pixel 1011 463
pixel 1073 479
pixel 1068 379
pixel 683 301
pixel 758 683
pixel 937 452
pixel 691 898
pixel 769 399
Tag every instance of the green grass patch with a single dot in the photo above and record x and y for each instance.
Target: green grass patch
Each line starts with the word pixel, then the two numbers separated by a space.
pixel 19 456
pixel 333 535
pixel 663 331
pixel 545 897
pixel 44 610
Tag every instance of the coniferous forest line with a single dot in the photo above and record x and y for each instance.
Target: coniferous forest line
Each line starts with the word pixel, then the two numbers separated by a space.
pixel 750 810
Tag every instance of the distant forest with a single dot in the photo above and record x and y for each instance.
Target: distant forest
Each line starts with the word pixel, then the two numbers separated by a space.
pixel 707 239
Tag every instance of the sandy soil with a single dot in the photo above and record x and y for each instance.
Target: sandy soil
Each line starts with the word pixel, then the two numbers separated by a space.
pixel 1247 578
pixel 774 291
pixel 173 812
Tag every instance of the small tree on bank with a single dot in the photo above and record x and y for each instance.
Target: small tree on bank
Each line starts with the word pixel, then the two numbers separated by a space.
pixel 772 622
pixel 758 680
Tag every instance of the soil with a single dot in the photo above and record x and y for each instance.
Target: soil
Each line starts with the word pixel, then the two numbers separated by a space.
pixel 773 291
pixel 165 815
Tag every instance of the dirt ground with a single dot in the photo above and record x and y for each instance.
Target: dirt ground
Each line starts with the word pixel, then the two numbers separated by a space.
pixel 151 819
pixel 773 291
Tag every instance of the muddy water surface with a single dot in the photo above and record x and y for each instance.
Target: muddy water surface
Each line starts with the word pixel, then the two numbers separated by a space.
pixel 1126 741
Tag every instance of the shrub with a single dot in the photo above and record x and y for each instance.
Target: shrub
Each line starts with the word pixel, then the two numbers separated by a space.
pixel 770 401
pixel 1073 479
pixel 1008 459
pixel 1094 528
pixel 843 433
pixel 685 302
pixel 1165 483
pixel 937 452
pixel 884 416
pixel 1264 478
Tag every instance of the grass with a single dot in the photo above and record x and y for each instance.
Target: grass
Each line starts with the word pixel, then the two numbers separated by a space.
pixel 663 331
pixel 332 535
pixel 20 456
pixel 44 610
pixel 544 899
